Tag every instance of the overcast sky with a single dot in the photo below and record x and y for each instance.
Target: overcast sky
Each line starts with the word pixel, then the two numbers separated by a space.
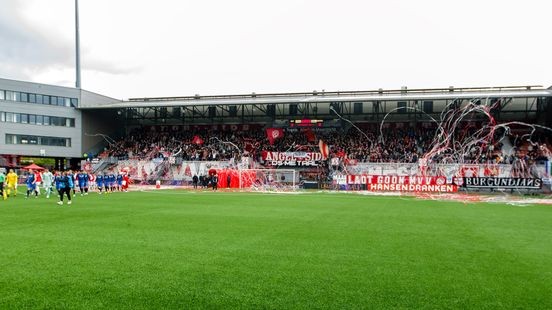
pixel 134 48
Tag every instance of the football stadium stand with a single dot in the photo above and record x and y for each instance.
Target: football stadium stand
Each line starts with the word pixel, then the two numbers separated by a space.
pixel 329 137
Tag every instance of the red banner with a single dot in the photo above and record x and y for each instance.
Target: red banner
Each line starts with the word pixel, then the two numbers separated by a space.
pixel 324 149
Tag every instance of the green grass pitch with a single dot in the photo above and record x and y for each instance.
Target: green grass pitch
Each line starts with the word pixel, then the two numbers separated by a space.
pixel 180 249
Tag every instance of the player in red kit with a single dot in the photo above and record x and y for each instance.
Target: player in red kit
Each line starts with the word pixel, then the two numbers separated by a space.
pixel 91 182
pixel 126 180
pixel 38 181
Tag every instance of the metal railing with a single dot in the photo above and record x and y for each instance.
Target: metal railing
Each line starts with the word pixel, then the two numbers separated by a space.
pixel 339 93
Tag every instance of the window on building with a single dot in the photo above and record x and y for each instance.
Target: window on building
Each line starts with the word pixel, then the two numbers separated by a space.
pixel 58 121
pixel 37 140
pixel 38 98
pixel 33 119
pixel 10 139
pixel 10 96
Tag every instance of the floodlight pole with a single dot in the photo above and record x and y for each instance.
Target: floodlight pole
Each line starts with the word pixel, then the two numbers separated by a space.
pixel 77 45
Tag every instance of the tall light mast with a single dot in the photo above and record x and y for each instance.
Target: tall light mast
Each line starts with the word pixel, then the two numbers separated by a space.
pixel 77 45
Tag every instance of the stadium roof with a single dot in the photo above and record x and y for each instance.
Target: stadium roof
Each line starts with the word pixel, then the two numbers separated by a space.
pixel 403 94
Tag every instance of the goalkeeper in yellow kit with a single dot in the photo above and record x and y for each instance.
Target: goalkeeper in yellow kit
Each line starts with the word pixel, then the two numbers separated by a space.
pixel 12 183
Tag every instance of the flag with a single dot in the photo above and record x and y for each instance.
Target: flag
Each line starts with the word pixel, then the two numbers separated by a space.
pixel 311 137
pixel 273 134
pixel 197 140
pixel 249 147
pixel 324 150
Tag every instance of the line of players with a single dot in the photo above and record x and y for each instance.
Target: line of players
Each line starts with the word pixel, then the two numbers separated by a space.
pixel 65 182
pixel 111 182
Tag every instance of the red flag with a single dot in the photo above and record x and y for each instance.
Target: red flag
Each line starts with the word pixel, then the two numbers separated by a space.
pixel 324 150
pixel 248 147
pixel 273 134
pixel 311 137
pixel 197 140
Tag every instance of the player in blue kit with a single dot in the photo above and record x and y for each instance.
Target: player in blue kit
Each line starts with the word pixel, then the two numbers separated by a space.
pixel 31 184
pixel 73 178
pixel 107 185
pixel 82 179
pixel 86 182
pixel 100 182
pixel 65 186
pixel 119 182
pixel 57 181
pixel 111 181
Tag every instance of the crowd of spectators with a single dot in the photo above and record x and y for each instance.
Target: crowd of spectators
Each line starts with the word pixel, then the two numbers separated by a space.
pixel 148 144
pixel 360 145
